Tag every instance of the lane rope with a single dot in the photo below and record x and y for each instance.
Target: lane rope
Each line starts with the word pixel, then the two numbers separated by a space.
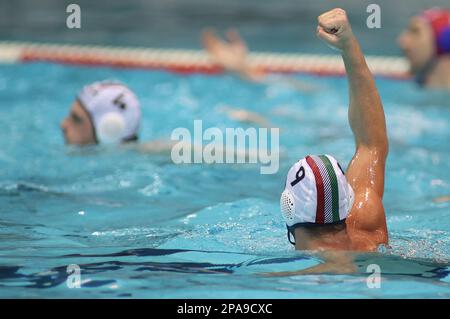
pixel 189 61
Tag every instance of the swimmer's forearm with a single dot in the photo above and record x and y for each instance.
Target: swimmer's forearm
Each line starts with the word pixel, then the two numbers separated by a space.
pixel 325 268
pixel 366 115
pixel 251 74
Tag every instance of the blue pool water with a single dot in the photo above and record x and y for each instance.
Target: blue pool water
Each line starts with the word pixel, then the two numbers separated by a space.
pixel 139 226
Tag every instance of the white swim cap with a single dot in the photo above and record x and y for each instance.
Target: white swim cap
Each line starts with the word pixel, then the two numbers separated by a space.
pixel 114 110
pixel 316 193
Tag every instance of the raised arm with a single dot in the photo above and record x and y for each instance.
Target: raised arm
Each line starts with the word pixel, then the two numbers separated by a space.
pixel 366 115
pixel 366 171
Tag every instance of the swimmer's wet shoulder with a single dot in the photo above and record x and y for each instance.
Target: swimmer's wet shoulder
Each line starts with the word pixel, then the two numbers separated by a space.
pixel 366 222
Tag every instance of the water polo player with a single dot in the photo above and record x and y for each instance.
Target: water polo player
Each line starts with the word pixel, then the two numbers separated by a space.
pixel 324 208
pixel 103 112
pixel 426 45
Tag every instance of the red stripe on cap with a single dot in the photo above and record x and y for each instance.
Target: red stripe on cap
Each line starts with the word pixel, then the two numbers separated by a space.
pixel 320 211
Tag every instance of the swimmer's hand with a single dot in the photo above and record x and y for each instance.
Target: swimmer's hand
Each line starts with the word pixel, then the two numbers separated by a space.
pixel 337 263
pixel 334 28
pixel 163 147
pixel 442 199
pixel 244 116
pixel 327 268
pixel 231 54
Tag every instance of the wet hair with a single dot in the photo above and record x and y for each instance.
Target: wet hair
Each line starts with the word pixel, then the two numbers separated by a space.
pixel 316 229
pixel 324 228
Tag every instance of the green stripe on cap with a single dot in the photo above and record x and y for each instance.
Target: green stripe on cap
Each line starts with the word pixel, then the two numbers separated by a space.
pixel 334 186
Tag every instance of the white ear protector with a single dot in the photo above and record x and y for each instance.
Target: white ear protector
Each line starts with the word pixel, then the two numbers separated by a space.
pixel 110 128
pixel 287 205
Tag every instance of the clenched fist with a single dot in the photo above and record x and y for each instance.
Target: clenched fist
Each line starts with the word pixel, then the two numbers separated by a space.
pixel 334 28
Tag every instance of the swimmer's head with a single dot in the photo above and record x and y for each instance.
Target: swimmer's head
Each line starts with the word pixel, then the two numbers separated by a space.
pixel 316 195
pixel 426 38
pixel 103 112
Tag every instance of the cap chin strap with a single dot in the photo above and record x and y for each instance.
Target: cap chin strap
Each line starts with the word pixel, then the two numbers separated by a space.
pixel 110 128
pixel 421 76
pixel 289 233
